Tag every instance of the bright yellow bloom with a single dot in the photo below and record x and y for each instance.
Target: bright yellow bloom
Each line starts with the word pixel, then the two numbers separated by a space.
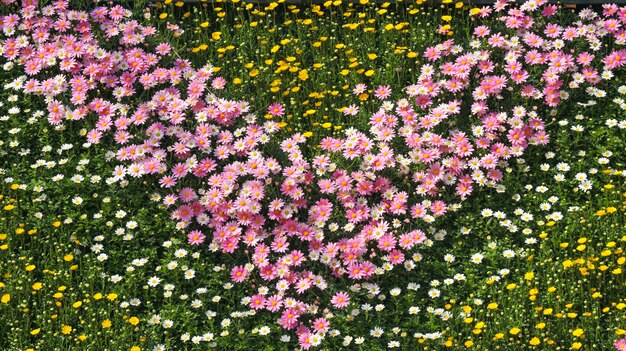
pixel 67 329
pixel 133 320
pixel 514 331
pixel 37 286
pixel 106 323
pixel 303 74
pixel 5 298
pixel 534 341
pixel 112 296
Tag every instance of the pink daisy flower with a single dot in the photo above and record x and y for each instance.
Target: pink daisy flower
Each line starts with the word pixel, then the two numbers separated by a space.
pixel 195 237
pixel 340 300
pixel 289 318
pixel 359 89
pixel 257 301
pixel 382 92
pixel 238 274
pixel 274 303
pixel 321 325
pixel 276 109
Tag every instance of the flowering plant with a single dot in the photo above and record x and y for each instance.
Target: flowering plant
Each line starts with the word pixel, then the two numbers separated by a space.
pixel 294 216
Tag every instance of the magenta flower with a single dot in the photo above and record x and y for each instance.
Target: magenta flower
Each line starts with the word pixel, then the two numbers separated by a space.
pixel 276 110
pixel 396 257
pixel 257 301
pixel 274 303
pixel 382 92
pixel 289 318
pixel 195 237
pixel 340 300
pixel 321 325
pixel 238 274
pixel 304 339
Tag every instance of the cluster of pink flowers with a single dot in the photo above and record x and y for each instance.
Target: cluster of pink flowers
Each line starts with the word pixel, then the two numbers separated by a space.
pixel 356 206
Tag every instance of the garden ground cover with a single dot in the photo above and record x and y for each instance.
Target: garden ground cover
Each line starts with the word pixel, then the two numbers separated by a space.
pixel 534 262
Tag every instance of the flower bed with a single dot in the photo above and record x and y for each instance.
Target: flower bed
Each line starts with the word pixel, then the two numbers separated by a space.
pixel 307 226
